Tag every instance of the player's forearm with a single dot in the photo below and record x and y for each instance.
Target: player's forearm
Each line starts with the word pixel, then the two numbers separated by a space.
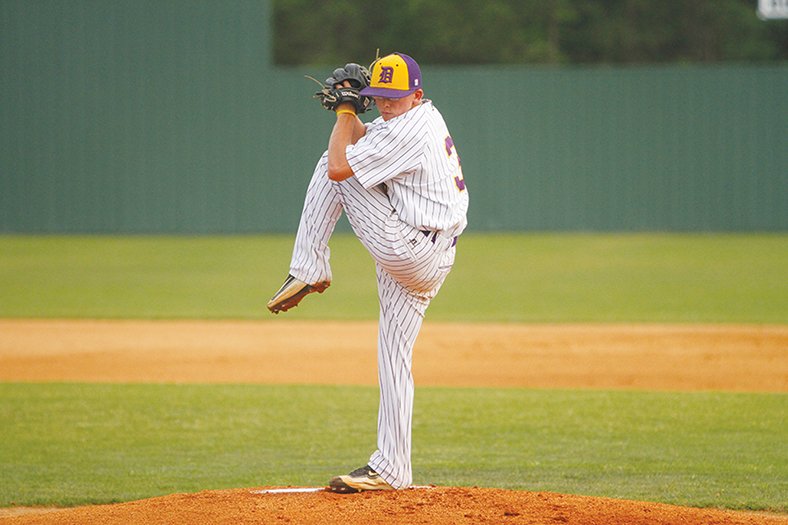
pixel 345 132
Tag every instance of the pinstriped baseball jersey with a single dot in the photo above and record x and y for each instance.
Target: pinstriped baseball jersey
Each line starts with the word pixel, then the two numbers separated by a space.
pixel 406 179
pixel 415 157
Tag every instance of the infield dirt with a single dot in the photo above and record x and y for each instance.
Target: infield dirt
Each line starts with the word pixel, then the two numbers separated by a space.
pixel 645 357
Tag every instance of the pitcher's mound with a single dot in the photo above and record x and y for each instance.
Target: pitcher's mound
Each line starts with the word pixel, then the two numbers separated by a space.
pixel 435 505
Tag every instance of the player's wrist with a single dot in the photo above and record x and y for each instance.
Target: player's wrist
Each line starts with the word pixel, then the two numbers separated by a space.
pixel 345 108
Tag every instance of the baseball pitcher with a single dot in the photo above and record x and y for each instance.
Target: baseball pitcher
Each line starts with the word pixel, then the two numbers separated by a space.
pixel 399 181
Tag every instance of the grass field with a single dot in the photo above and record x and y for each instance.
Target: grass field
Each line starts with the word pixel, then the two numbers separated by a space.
pixel 71 444
pixel 65 444
pixel 515 278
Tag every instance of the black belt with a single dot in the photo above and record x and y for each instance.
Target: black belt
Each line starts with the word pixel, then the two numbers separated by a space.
pixel 434 236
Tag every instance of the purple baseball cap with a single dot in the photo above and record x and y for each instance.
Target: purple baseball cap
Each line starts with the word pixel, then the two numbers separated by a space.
pixel 394 76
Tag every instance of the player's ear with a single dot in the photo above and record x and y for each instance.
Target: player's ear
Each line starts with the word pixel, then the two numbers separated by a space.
pixel 419 95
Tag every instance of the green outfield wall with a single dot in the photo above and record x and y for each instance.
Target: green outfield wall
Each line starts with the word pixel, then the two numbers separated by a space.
pixel 169 117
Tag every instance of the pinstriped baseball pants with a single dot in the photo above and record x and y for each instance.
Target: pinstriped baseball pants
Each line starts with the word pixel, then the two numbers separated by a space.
pixel 410 269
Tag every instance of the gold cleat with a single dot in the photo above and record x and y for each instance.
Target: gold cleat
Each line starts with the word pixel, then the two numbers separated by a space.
pixel 291 293
pixel 357 481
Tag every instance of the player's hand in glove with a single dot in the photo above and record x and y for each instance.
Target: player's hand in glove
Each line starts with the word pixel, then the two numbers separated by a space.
pixel 331 98
pixel 357 76
pixel 344 86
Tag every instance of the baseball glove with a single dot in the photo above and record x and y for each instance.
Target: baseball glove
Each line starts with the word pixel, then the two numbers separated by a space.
pixel 358 77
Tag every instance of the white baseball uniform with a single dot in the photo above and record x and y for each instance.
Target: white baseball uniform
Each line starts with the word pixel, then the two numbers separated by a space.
pixel 407 204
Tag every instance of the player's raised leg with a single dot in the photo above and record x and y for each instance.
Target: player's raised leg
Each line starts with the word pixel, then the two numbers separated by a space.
pixel 310 270
pixel 409 256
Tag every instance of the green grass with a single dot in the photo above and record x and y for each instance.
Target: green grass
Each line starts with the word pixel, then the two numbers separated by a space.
pixel 512 278
pixel 68 444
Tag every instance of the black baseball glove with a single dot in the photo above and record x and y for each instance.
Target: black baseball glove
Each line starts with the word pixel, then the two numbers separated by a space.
pixel 358 77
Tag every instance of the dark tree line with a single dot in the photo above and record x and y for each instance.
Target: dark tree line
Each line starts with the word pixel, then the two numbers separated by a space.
pixel 527 31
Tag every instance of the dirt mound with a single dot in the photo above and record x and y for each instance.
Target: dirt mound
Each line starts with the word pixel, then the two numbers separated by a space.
pixel 436 505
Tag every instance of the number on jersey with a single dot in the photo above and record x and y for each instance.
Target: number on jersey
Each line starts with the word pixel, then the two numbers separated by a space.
pixel 459 180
